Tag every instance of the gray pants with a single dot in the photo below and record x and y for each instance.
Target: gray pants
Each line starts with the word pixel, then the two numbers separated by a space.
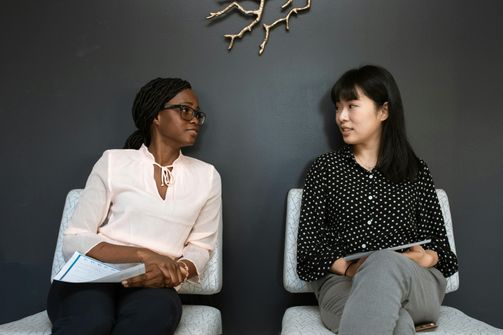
pixel 388 295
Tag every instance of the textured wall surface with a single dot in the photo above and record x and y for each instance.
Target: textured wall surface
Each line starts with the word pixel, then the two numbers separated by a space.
pixel 69 72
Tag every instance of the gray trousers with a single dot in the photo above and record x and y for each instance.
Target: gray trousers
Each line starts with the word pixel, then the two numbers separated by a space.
pixel 388 295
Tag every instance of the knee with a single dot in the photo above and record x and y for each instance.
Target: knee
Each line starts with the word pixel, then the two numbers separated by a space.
pixel 384 257
pixel 161 312
pixel 164 309
pixel 387 266
pixel 88 324
pixel 388 260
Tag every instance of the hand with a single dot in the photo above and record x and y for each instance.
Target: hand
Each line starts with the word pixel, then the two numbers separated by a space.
pixel 341 267
pixel 354 267
pixel 153 277
pixel 424 258
pixel 160 271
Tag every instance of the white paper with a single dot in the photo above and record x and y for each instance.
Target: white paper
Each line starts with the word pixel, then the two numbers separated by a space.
pixel 83 269
pixel 367 253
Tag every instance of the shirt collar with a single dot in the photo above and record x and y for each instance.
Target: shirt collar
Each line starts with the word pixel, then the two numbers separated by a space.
pixel 347 152
pixel 148 155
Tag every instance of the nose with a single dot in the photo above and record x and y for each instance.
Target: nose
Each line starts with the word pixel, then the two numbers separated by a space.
pixel 342 115
pixel 195 121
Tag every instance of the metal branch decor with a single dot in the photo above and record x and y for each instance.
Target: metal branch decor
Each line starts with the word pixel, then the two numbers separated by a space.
pixel 257 14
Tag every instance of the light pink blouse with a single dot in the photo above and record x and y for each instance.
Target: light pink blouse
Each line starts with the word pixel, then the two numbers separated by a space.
pixel 121 205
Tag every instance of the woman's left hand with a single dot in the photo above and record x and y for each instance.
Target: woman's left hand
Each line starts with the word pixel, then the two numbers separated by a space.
pixel 424 258
pixel 160 271
pixel 153 277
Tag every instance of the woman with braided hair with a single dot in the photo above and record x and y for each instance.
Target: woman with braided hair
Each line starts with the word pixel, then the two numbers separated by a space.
pixel 145 203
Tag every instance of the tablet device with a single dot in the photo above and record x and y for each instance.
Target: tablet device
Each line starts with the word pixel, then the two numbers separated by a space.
pixel 367 253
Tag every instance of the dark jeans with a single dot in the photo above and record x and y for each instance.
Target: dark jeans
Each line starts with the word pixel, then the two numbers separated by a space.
pixel 104 309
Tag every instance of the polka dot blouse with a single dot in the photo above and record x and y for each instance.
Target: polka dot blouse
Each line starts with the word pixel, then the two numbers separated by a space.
pixel 347 209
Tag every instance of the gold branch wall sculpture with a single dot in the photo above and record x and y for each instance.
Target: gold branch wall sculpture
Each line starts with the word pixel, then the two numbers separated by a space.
pixel 257 14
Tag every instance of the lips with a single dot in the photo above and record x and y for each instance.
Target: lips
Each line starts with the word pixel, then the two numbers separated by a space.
pixel 345 130
pixel 193 130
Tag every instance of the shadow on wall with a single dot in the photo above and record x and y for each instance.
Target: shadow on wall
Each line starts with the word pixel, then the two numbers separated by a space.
pixel 334 139
pixel 327 110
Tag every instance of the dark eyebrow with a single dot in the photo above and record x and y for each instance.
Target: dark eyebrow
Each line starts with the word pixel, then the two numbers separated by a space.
pixel 190 104
pixel 186 103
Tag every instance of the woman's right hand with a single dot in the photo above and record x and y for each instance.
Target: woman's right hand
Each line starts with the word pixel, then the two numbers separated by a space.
pixel 160 271
pixel 343 267
pixel 354 267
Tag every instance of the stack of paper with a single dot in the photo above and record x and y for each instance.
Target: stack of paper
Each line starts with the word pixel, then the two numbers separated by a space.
pixel 83 269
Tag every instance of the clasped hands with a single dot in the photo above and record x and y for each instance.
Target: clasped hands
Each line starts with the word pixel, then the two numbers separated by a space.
pixel 422 257
pixel 160 271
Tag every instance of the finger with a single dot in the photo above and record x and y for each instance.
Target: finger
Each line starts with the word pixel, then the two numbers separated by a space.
pixel 171 274
pixel 154 279
pixel 157 281
pixel 134 281
pixel 165 271
pixel 416 248
pixel 140 280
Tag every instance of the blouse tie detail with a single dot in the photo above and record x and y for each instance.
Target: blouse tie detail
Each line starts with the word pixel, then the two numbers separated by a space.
pixel 167 177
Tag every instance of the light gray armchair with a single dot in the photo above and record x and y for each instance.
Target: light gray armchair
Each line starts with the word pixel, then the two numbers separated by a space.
pixel 306 319
pixel 200 320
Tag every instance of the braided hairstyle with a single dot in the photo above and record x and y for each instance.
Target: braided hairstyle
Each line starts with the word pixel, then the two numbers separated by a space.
pixel 148 103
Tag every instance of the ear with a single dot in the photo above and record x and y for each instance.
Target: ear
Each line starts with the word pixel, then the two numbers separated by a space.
pixel 383 111
pixel 156 119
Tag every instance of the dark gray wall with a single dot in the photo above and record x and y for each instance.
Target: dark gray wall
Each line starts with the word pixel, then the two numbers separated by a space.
pixel 69 71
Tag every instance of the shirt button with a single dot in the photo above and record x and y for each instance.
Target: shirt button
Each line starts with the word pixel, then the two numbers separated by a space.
pixel 364 245
pixel 370 197
pixel 369 221
pixel 371 176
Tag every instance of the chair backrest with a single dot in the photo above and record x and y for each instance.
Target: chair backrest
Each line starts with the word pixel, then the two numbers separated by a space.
pixel 291 280
pixel 210 279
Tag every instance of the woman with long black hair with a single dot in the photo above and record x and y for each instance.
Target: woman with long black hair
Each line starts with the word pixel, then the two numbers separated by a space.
pixel 373 194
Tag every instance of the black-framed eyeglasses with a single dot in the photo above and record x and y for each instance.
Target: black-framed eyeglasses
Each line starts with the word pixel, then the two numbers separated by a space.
pixel 188 113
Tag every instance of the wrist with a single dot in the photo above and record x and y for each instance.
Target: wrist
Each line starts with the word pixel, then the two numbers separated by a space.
pixel 143 254
pixel 184 268
pixel 346 271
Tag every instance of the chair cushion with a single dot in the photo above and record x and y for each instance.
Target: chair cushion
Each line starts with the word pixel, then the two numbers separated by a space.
pixel 200 320
pixel 303 320
pixel 453 321
pixel 36 324
pixel 306 320
pixel 196 320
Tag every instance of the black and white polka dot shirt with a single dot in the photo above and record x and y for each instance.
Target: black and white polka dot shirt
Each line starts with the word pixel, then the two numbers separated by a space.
pixel 347 209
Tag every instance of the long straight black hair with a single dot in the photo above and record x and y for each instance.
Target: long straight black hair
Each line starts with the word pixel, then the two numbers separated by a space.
pixel 396 159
